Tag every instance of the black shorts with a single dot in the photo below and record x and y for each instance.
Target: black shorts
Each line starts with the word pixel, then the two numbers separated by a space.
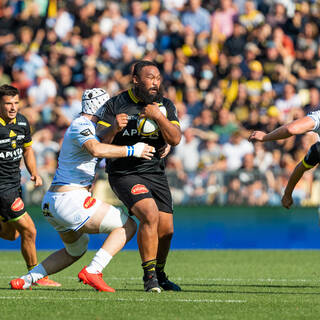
pixel 11 205
pixel 133 188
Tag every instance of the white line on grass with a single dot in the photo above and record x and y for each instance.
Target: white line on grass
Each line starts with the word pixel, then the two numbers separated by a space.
pixel 191 279
pixel 124 299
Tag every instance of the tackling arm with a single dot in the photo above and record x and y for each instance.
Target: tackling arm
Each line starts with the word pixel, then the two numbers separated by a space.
pixel 299 126
pixel 102 150
pixel 106 132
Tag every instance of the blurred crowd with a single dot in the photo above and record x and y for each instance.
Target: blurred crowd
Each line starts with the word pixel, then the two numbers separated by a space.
pixel 230 67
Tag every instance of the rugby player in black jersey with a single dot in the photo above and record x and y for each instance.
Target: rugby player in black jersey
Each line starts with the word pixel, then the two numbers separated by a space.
pixel 15 143
pixel 142 185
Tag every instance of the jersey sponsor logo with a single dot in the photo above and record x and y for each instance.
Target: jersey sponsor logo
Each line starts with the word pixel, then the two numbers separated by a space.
pixel 87 132
pixel 4 141
pixel 15 154
pixel 139 189
pixel 89 202
pixel 22 123
pixel 129 133
pixel 17 205
pixel 133 117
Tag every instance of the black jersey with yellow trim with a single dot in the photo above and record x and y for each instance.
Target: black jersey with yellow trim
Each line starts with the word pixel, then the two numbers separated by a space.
pixel 13 138
pixel 312 157
pixel 127 102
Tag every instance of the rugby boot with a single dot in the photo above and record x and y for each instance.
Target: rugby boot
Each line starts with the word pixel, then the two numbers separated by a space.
pixel 94 280
pixel 46 282
pixel 165 283
pixel 151 283
pixel 22 283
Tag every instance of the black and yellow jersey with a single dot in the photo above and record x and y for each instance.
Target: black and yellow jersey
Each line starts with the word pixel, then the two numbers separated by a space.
pixel 312 157
pixel 13 138
pixel 127 102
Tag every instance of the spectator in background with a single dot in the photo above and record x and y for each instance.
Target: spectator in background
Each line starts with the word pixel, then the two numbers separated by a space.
pixel 186 153
pixel 193 102
pixel 111 17
pixel 288 102
pixel 252 18
pixel 235 43
pixel 225 126
pixel 257 83
pixel 314 100
pixel 235 150
pixel 42 94
pixel 284 45
pixel 72 105
pixel 222 19
pixel 29 62
pixel 137 14
pixel 197 18
pixel 277 15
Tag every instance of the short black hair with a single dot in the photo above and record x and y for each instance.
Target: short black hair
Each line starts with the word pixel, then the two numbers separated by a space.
pixel 6 90
pixel 140 65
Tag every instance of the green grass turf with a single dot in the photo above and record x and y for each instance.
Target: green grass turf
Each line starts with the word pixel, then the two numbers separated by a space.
pixel 216 285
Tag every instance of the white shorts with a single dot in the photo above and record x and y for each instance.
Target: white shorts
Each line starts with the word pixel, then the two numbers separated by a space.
pixel 70 210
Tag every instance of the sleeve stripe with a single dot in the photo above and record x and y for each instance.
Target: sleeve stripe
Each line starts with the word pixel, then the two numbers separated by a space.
pixel 106 124
pixel 175 122
pixel 308 166
pixel 27 144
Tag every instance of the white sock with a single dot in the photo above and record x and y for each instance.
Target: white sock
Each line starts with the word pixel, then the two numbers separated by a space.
pixel 27 281
pixel 37 273
pixel 99 261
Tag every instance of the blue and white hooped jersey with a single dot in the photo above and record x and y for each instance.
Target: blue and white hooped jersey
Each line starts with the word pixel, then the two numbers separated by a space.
pixel 76 166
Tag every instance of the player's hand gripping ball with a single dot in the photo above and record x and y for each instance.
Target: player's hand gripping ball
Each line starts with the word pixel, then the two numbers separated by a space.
pixel 147 127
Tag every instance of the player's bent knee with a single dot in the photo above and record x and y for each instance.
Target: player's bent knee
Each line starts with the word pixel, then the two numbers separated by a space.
pixel 114 218
pixel 79 247
pixel 151 218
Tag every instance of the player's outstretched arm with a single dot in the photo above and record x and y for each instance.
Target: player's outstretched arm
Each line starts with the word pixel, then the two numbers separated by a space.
pixel 299 126
pixel 30 162
pixel 102 150
pixel 295 177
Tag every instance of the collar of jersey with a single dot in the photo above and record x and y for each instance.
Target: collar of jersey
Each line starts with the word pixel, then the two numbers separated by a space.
pixel 4 123
pixel 133 97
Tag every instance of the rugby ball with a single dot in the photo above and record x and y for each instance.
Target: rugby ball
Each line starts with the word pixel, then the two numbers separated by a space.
pixel 148 127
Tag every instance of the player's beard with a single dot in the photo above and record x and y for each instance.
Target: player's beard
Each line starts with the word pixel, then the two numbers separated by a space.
pixel 143 94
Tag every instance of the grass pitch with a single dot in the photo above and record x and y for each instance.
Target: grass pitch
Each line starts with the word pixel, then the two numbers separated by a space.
pixel 216 285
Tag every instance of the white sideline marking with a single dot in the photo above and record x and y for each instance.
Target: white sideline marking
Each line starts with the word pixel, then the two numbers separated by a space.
pixel 124 299
pixel 191 279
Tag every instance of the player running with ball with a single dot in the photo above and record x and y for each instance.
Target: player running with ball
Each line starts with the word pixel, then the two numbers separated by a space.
pixel 69 206
pixel 142 185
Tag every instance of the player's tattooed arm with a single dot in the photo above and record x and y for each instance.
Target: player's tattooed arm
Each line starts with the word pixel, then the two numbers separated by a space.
pixel 107 133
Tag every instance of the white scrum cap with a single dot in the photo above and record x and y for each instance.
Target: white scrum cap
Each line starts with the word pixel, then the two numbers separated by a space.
pixel 93 99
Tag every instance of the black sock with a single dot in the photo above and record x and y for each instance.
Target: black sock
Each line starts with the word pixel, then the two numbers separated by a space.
pixel 160 266
pixel 149 266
